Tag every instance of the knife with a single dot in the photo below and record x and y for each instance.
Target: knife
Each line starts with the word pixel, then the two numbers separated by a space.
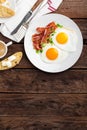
pixel 27 16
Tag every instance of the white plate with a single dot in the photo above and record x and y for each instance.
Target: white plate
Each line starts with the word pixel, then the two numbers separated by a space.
pixel 12 6
pixel 35 58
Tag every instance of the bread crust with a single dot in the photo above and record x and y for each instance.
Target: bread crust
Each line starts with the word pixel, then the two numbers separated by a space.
pixel 2 1
pixel 15 62
pixel 6 12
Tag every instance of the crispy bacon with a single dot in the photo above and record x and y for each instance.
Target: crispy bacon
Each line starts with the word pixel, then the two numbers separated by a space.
pixel 36 38
pixel 43 35
pixel 40 29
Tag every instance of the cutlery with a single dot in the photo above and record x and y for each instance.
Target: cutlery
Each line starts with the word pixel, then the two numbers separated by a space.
pixel 22 30
pixel 27 16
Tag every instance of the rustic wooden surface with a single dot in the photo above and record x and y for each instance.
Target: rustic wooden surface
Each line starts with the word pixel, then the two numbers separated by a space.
pixel 34 100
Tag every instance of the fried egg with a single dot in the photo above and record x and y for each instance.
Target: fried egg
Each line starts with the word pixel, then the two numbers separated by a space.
pixel 52 54
pixel 65 39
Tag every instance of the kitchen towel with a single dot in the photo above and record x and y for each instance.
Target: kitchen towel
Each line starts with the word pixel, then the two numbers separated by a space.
pixel 22 7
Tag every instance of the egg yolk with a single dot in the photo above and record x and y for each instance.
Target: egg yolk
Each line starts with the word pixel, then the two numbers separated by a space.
pixel 62 38
pixel 52 53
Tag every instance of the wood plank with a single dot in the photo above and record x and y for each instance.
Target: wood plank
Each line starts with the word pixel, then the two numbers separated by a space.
pixel 69 105
pixel 42 123
pixel 73 8
pixel 35 81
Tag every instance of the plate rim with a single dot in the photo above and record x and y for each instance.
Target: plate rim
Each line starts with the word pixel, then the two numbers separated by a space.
pixel 74 61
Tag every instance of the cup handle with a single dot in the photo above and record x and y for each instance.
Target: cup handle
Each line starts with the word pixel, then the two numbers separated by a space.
pixel 9 43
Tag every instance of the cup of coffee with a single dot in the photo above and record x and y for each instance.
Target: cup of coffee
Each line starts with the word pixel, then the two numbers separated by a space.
pixel 4 48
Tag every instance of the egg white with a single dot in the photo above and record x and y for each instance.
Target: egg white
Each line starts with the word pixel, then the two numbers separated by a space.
pixel 70 46
pixel 62 55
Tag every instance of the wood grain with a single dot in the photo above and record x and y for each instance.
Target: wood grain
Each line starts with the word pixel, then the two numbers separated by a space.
pixel 42 123
pixel 35 81
pixel 73 8
pixel 70 105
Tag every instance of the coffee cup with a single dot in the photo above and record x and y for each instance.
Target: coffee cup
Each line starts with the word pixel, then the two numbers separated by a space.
pixel 4 48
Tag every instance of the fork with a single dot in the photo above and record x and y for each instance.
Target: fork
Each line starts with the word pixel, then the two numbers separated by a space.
pixel 22 31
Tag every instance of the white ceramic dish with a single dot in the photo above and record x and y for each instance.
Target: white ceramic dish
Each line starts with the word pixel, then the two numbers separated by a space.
pixel 35 58
pixel 12 5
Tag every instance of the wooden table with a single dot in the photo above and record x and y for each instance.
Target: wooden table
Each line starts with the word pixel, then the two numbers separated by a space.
pixel 33 100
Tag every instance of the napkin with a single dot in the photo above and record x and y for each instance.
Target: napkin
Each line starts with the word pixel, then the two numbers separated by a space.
pixel 22 7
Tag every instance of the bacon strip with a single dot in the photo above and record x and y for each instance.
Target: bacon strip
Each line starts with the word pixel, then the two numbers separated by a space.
pixel 43 35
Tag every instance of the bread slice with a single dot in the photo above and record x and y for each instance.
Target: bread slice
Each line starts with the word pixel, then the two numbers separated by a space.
pixel 6 12
pixel 2 1
pixel 14 62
